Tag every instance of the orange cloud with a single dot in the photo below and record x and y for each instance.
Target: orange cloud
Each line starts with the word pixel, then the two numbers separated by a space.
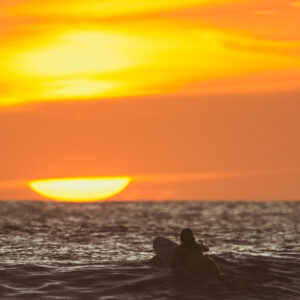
pixel 296 4
pixel 94 63
pixel 98 8
pixel 51 61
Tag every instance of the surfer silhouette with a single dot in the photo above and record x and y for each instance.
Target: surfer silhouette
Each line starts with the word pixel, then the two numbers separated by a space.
pixel 189 255
pixel 188 245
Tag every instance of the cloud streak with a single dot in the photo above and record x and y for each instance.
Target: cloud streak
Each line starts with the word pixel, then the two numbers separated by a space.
pixel 92 59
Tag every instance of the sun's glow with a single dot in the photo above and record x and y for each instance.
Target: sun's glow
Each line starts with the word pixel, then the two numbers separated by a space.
pixel 80 189
pixel 80 52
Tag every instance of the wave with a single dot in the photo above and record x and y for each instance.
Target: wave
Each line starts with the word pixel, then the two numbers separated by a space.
pixel 249 277
pixel 100 251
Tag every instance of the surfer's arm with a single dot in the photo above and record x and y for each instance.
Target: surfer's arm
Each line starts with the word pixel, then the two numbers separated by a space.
pixel 203 247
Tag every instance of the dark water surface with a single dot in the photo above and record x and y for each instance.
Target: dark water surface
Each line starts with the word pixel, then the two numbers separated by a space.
pixel 99 251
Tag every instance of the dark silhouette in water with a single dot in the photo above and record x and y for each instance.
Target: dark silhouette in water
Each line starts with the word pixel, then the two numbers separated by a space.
pixel 188 245
pixel 189 256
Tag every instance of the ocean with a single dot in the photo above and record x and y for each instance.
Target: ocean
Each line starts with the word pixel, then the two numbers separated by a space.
pixel 52 250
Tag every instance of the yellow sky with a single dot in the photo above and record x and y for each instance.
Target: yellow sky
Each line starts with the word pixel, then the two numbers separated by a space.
pixel 62 50
pixel 109 63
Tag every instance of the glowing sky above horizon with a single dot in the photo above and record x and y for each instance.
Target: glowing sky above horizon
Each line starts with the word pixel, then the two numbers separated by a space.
pixel 201 94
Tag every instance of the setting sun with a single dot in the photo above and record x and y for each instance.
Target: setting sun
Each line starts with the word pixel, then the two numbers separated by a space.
pixel 80 189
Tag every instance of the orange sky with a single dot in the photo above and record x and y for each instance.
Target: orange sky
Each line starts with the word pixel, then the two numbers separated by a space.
pixel 195 99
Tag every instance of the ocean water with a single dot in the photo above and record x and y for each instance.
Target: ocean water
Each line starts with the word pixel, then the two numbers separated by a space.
pixel 52 250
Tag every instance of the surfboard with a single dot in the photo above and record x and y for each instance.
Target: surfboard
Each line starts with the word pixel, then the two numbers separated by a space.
pixel 164 249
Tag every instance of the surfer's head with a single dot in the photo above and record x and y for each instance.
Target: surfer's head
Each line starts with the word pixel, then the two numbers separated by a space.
pixel 187 237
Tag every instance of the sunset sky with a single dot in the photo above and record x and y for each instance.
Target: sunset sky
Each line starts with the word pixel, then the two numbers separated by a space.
pixel 192 99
